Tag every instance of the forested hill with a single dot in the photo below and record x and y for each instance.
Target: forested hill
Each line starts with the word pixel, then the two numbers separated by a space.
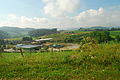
pixel 15 31
pixel 3 34
pixel 100 28
pixel 42 32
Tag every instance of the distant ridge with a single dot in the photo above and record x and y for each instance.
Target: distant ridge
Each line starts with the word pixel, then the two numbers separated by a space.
pixel 99 28
pixel 15 31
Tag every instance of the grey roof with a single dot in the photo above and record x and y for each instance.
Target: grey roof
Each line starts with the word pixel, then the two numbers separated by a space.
pixel 27 46
pixel 47 39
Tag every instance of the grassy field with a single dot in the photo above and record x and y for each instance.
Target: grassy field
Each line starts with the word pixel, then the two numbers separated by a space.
pixel 114 33
pixel 102 63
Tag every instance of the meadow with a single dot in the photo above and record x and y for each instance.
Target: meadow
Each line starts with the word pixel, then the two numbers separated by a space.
pixel 114 33
pixel 102 63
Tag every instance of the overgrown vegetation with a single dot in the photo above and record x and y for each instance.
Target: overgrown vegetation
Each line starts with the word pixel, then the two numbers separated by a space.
pixel 100 64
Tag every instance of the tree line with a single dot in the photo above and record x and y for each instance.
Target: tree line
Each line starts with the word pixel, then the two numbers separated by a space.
pixel 98 36
pixel 42 32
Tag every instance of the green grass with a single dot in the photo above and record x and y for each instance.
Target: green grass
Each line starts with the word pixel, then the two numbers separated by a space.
pixel 60 37
pixel 77 31
pixel 102 63
pixel 114 33
pixel 14 39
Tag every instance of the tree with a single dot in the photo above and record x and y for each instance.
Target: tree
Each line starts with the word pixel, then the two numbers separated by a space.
pixel 101 36
pixel 2 45
pixel 74 38
pixel 27 39
pixel 117 38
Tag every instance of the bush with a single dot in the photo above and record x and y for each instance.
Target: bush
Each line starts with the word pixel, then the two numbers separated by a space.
pixel 101 36
pixel 27 39
pixel 88 44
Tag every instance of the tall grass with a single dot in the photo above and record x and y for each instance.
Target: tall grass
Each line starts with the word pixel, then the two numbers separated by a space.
pixel 102 63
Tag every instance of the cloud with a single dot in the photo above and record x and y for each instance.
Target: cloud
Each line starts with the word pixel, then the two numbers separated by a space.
pixel 91 17
pixel 12 16
pixel 102 17
pixel 57 8
pixel 23 21
pixel 91 13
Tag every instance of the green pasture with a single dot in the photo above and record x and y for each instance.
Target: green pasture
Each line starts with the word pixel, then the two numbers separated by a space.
pixel 114 33
pixel 102 63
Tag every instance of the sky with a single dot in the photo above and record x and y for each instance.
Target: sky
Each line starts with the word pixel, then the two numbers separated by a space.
pixel 62 14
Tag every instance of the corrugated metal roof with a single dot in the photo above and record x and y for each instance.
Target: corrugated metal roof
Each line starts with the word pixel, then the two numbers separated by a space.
pixel 47 39
pixel 27 46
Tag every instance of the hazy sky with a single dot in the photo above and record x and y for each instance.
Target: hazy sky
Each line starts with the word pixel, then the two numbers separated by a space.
pixel 62 14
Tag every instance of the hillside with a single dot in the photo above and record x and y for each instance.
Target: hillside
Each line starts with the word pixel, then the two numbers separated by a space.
pixel 3 34
pixel 42 32
pixel 100 28
pixel 15 31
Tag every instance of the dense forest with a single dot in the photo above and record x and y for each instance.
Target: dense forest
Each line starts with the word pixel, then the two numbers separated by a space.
pixel 42 32
pixel 99 28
